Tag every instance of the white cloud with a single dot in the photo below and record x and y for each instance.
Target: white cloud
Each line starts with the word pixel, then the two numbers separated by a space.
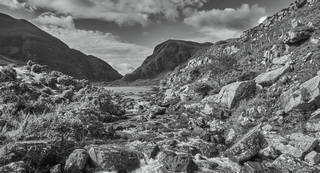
pixel 209 34
pixel 122 12
pixel 236 19
pixel 16 5
pixel 124 57
pixel 51 19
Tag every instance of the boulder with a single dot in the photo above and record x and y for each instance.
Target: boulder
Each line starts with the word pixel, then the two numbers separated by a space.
pixel 113 158
pixel 247 147
pixel 297 34
pixel 305 142
pixel 312 158
pixel 231 94
pixel 305 96
pixel 268 152
pixel 76 161
pixel 178 163
pixel 268 78
pixel 15 167
pixel 288 163
pixel 281 60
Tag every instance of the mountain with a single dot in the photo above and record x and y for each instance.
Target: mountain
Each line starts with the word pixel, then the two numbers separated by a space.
pixel 166 56
pixel 21 41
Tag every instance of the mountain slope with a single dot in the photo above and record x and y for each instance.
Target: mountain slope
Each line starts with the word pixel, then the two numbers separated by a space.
pixel 166 56
pixel 21 41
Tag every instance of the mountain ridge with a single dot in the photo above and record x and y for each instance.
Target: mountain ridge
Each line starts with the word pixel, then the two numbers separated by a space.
pixel 22 41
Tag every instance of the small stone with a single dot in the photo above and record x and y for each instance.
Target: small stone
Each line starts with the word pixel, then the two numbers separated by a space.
pixel 268 152
pixel 56 169
pixel 312 158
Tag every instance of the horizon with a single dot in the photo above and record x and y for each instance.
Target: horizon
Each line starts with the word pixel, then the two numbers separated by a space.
pixel 123 33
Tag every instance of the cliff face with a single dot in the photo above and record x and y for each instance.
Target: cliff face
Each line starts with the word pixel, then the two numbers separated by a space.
pixel 21 41
pixel 166 56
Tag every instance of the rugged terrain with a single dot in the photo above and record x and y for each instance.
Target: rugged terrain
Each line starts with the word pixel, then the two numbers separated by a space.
pixel 245 105
pixel 21 41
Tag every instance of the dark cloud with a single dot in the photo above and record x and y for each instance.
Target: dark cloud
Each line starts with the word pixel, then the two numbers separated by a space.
pixel 236 19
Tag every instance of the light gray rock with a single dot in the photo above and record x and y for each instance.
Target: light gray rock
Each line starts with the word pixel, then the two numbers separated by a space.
pixel 312 158
pixel 247 147
pixel 113 158
pixel 305 142
pixel 306 96
pixel 268 78
pixel 15 167
pixel 230 94
pixel 282 60
pixel 76 161
pixel 297 34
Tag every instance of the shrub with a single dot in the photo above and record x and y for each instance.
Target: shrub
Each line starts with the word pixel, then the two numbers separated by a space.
pixel 8 73
pixel 201 88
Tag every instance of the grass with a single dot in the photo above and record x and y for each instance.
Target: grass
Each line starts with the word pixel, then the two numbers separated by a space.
pixel 34 105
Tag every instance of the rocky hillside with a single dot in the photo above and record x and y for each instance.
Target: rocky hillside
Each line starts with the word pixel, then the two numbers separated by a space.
pixel 245 105
pixel 21 41
pixel 166 56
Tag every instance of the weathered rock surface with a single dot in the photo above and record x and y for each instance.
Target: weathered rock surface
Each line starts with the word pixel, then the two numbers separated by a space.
pixel 178 163
pixel 298 34
pixel 113 158
pixel 230 94
pixel 15 167
pixel 247 147
pixel 76 161
pixel 305 97
pixel 268 78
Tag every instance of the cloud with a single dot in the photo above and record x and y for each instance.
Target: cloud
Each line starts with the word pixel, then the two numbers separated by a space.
pixel 209 34
pixel 16 5
pixel 235 19
pixel 49 19
pixel 105 46
pixel 122 12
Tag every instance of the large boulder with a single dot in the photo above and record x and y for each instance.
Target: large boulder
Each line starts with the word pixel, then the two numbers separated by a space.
pixel 230 94
pixel 247 147
pixel 298 34
pixel 268 78
pixel 305 96
pixel 113 158
pixel 76 161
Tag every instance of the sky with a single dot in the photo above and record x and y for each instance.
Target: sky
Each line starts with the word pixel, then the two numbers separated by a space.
pixel 124 32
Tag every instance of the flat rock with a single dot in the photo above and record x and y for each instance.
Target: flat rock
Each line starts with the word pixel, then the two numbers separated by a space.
pixel 268 78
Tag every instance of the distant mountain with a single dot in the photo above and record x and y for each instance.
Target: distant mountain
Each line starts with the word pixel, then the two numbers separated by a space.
pixel 166 56
pixel 21 41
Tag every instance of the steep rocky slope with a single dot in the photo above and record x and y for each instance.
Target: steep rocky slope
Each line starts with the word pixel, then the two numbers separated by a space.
pixel 166 56
pixel 21 41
